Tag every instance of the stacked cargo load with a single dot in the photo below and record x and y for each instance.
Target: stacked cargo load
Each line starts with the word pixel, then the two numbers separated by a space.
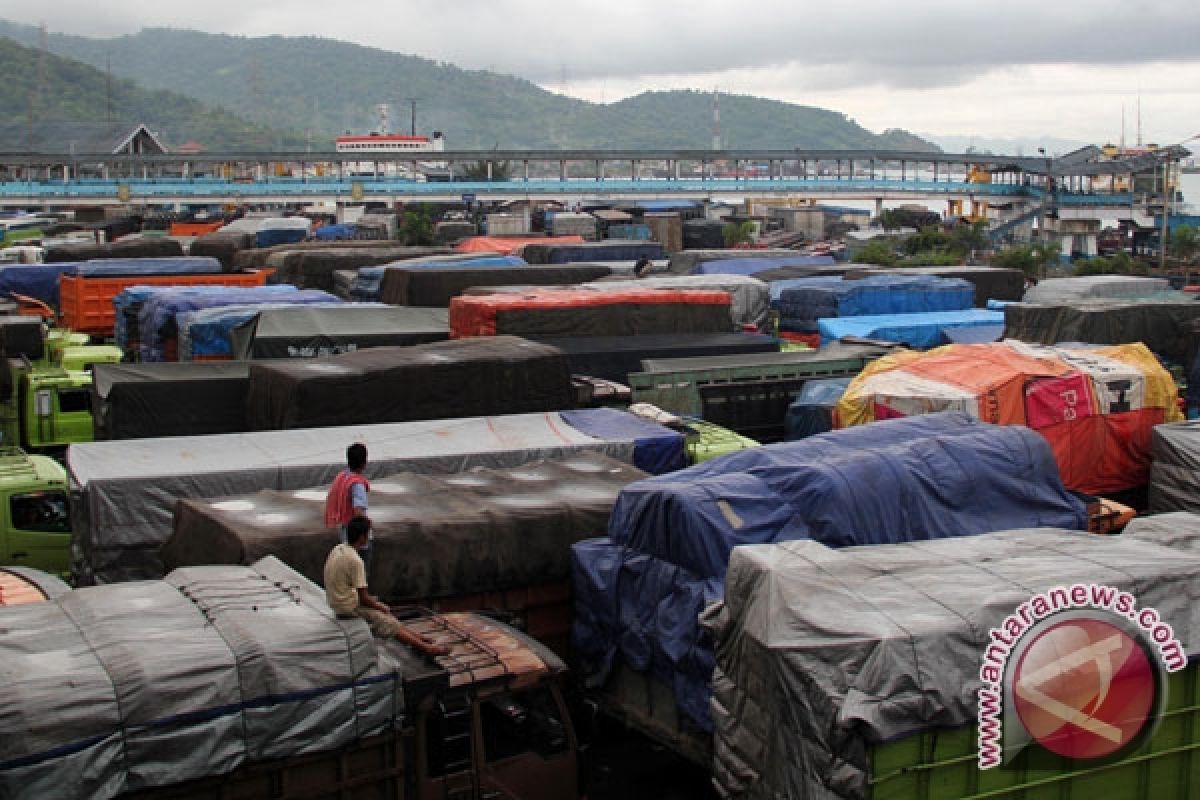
pixel 207 334
pixel 135 401
pixel 685 262
pixel 368 283
pixel 607 250
pixel 510 245
pixel 919 331
pixel 314 267
pixel 441 380
pixel 222 246
pixel 123 493
pixel 1096 407
pixel 404 286
pixel 156 247
pixel 614 358
pixel 477 531
pixel 749 297
pixel 639 592
pixel 1164 326
pixel 859 673
pixel 1060 291
pixel 185 678
pixel 584 312
pixel 802 302
pixel 991 283
pixel 159 324
pixel 1174 483
pixel 737 263
pixel 323 330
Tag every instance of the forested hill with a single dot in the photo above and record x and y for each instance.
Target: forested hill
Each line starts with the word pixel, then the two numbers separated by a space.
pixel 46 99
pixel 328 87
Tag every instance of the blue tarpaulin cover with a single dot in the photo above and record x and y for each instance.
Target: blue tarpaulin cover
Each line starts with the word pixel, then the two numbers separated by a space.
pixel 369 282
pixel 802 301
pixel 128 302
pixel 176 265
pixel 812 410
pixel 209 331
pixel 329 233
pixel 607 250
pixel 670 537
pixel 157 315
pixel 749 266
pixel 277 236
pixel 657 449
pixel 919 331
pixel 39 281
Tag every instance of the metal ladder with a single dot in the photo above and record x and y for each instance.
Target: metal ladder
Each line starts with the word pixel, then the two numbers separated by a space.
pixel 460 781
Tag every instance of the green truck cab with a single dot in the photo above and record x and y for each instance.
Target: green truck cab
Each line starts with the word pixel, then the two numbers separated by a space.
pixel 35 524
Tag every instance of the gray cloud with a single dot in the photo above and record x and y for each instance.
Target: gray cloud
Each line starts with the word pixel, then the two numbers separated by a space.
pixel 866 43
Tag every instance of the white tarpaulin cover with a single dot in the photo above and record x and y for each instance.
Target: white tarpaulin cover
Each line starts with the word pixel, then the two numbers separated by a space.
pixel 822 653
pixel 1094 287
pixel 112 689
pixel 123 493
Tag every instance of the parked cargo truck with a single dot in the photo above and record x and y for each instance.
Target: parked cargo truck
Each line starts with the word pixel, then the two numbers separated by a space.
pixel 265 693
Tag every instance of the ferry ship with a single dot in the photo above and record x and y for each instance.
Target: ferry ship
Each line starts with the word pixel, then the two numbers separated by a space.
pixel 381 143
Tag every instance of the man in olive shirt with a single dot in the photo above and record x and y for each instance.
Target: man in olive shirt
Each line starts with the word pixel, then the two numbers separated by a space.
pixel 346 590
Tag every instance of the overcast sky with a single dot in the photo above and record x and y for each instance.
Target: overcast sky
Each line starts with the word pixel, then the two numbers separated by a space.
pixel 996 70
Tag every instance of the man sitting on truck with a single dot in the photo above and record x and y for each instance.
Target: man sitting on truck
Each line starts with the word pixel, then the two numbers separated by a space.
pixel 346 590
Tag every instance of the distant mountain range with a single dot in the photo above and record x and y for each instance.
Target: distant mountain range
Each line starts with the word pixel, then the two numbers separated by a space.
pixel 1024 146
pixel 294 93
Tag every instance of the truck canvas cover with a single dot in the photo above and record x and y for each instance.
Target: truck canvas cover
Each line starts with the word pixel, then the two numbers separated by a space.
pixel 991 283
pixel 749 297
pixel 314 268
pixel 1163 326
pixel 1095 406
pixel 614 357
pixel 585 312
pixel 639 592
pixel 123 493
pixel 921 331
pixel 404 286
pixel 183 678
pixel 112 267
pixel 823 654
pixel 1055 291
pixel 368 283
pixel 317 331
pixel 482 530
pixel 801 302
pixel 157 318
pixel 685 261
pixel 734 263
pixel 22 336
pixel 207 333
pixel 442 380
pixel 133 401
pixel 607 250
pixel 1175 467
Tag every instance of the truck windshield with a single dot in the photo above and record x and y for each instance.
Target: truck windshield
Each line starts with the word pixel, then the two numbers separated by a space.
pixel 44 512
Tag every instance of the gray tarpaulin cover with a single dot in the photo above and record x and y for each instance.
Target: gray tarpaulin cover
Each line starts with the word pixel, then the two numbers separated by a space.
pixel 113 689
pixel 1091 287
pixel 123 493
pixel 822 653
pixel 1175 467
pixel 685 261
pixel 1163 326
pixel 751 299
pixel 440 380
pixel 482 530
pixel 314 331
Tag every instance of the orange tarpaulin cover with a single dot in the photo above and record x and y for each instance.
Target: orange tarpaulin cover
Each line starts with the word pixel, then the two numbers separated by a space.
pixel 507 244
pixel 1095 406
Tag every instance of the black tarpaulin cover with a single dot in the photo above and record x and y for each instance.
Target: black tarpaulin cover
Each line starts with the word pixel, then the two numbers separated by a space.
pixel 822 653
pixel 135 401
pixel 313 269
pixel 482 530
pixel 22 336
pixel 442 380
pixel 318 331
pixel 424 287
pixel 614 357
pixel 1161 326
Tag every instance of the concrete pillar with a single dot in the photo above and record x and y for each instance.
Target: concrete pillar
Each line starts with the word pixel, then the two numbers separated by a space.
pixel 675 169
pixel 489 171
pixel 599 170
pixel 878 206
pixel 525 166
pixel 562 170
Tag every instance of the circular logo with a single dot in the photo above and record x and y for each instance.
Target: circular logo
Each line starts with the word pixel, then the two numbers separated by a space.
pixel 1084 688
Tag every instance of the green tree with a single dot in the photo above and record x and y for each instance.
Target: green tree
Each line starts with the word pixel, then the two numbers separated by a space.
pixel 416 228
pixel 877 251
pixel 736 233
pixel 890 220
pixel 1032 259
pixel 1185 243
pixel 966 238
pixel 478 170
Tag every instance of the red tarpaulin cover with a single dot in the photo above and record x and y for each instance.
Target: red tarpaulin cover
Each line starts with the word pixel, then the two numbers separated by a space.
pixel 508 244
